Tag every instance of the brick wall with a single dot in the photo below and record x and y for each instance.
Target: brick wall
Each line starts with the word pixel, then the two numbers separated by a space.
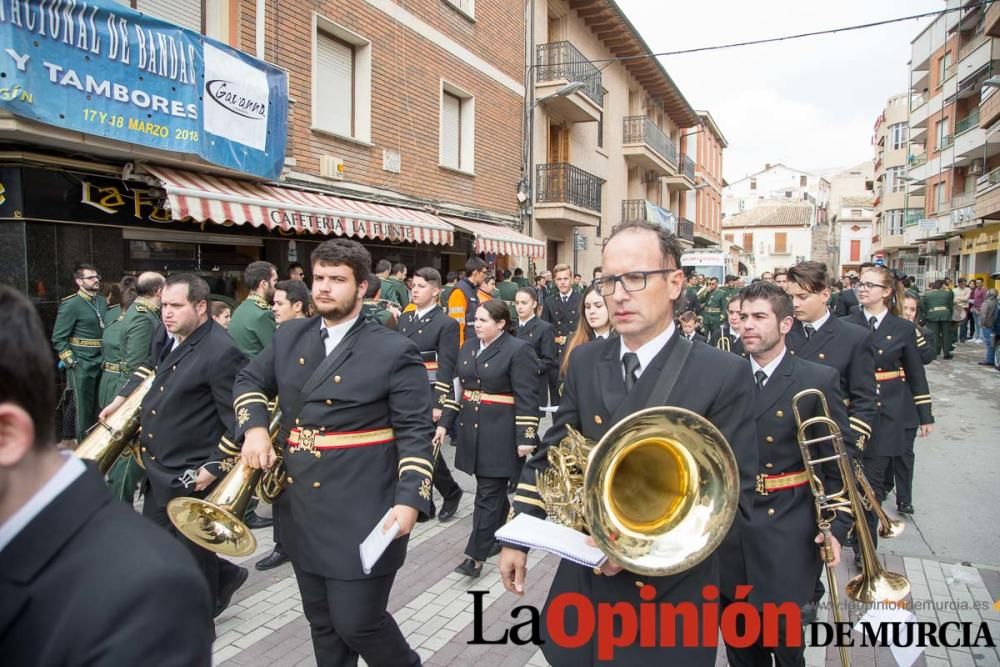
pixel 988 204
pixel 407 71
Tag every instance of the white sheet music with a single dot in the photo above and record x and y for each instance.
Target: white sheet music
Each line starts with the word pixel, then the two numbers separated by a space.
pixel 376 543
pixel 527 531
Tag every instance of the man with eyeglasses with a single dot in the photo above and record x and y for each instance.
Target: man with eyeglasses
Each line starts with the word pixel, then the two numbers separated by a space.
pixel 76 338
pixel 606 381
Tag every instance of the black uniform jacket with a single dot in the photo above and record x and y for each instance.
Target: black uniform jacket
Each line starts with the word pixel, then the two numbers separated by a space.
pixel 562 316
pixel 846 303
pixel 187 416
pixel 489 432
pixel 696 337
pixel 847 348
pixel 735 342
pixel 926 345
pixel 777 552
pixel 436 336
pixel 373 379
pixel 90 582
pixel 714 384
pixel 540 335
pixel 906 400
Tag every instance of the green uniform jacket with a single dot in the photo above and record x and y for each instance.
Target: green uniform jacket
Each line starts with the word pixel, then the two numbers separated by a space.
pixel 78 329
pixel 520 281
pixel 938 305
pixel 507 292
pixel 715 308
pixel 141 321
pixel 111 372
pixel 252 326
pixel 395 290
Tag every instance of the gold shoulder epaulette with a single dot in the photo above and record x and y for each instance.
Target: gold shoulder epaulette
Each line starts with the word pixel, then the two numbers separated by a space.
pixel 67 298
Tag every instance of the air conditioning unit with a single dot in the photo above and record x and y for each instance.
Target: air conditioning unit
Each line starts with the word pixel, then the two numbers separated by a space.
pixel 976 168
pixel 331 167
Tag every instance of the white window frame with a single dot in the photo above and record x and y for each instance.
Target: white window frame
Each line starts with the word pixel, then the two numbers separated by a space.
pixel 893 182
pixel 898 134
pixel 466 8
pixel 467 129
pixel 362 123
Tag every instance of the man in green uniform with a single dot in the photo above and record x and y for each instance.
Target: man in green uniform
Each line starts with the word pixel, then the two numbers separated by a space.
pixel 519 279
pixel 138 327
pixel 111 373
pixel 375 308
pixel 938 304
pixel 394 286
pixel 76 338
pixel 507 291
pixel 252 326
pixel 715 306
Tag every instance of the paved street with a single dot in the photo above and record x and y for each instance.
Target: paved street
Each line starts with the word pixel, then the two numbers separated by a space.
pixel 950 552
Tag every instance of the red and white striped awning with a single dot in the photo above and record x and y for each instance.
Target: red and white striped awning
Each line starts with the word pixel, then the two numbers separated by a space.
pixel 203 197
pixel 500 240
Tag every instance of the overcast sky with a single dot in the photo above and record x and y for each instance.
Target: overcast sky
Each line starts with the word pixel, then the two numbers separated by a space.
pixel 810 103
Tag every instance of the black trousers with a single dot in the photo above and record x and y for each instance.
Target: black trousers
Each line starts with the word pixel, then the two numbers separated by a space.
pixel 217 570
pixel 489 514
pixel 444 482
pixel 758 654
pixel 875 467
pixel 902 469
pixel 276 526
pixel 348 619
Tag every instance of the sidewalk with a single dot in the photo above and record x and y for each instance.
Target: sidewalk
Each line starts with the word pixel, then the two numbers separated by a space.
pixel 265 628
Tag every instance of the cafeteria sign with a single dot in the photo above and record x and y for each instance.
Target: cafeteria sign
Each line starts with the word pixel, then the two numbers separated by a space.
pixel 99 67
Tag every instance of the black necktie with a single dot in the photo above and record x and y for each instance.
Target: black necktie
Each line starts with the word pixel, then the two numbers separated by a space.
pixel 631 363
pixel 810 330
pixel 872 321
pixel 324 333
pixel 761 377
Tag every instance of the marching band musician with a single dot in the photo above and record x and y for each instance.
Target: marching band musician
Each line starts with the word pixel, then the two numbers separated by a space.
pixel 902 386
pixel 727 336
pixel 497 423
pixel 609 380
pixel 778 552
pixel 436 336
pixel 689 327
pixel 538 334
pixel 187 421
pixel 83 579
pixel 562 311
pixel 595 324
pixel 356 402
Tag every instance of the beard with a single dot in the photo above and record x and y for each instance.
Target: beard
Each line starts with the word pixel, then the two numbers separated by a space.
pixel 339 310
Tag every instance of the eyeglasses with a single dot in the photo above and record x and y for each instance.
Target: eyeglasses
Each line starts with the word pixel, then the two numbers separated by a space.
pixel 869 286
pixel 93 277
pixel 633 281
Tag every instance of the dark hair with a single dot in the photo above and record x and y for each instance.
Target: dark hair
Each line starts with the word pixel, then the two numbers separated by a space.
pixel 474 264
pixel 344 252
pixel 197 287
pixel 219 307
pixel 596 270
pixel 780 302
pixel 506 274
pixel 382 266
pixel 128 292
pixel 397 267
pixel 80 267
pixel 257 272
pixel 894 302
pixel 296 291
pixel 688 316
pixel 864 266
pixel 452 276
pixel 518 272
pixel 670 247
pixel 296 265
pixel 731 278
pixel 809 276
pixel 497 311
pixel 149 284
pixel 26 364
pixel 780 272
pixel 374 285
pixel 429 274
pixel 490 278
pixel 530 291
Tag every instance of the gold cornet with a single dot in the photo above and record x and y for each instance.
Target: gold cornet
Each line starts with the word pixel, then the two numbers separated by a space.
pixel 107 440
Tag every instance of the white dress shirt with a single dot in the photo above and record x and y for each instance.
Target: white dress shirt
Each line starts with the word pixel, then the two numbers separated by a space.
pixel 336 333
pixel 769 369
pixel 647 351
pixel 522 323
pixel 878 318
pixel 821 321
pixel 71 468
pixel 420 313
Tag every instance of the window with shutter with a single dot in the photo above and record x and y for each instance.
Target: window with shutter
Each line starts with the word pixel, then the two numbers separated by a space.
pixel 451 131
pixel 185 13
pixel 334 85
pixel 748 241
pixel 855 251
pixel 780 243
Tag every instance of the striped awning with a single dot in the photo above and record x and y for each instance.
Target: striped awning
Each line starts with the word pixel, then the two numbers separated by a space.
pixel 224 201
pixel 500 240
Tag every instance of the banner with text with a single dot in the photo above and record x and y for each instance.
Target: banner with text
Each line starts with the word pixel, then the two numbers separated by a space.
pixel 99 67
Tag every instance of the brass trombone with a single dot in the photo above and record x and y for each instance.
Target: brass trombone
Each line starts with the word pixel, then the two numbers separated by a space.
pixel 216 523
pixel 875 583
pixel 658 493
pixel 887 526
pixel 105 442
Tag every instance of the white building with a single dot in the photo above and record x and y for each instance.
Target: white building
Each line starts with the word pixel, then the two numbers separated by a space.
pixel 776 234
pixel 855 220
pixel 776 181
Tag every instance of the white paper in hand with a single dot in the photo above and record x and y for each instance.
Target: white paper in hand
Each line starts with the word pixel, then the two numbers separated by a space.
pixel 377 542
pixel 906 654
pixel 527 531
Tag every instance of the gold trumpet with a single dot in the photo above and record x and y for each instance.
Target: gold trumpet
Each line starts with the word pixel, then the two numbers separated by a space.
pixel 216 523
pixel 875 583
pixel 724 343
pixel 107 440
pixel 658 493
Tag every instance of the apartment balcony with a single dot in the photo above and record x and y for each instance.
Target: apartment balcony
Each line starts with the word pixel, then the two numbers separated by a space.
pixel 684 179
pixel 647 146
pixel 558 64
pixel 963 211
pixel 989 105
pixel 992 21
pixel 988 196
pixel 642 209
pixel 704 237
pixel 918 115
pixel 568 195
pixel 685 230
pixel 892 242
pixel 976 56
